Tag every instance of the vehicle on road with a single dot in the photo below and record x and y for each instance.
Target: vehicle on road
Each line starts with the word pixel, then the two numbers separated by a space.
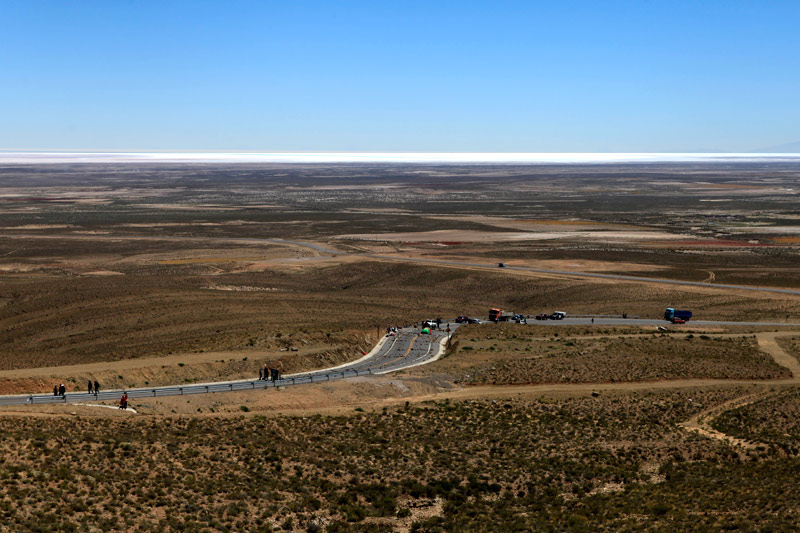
pixel 542 316
pixel 498 315
pixel 474 321
pixel 462 319
pixel 677 320
pixel 501 265
pixel 671 313
pixel 430 324
pixel 558 315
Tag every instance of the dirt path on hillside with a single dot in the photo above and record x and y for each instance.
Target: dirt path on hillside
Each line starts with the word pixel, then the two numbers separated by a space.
pixel 768 343
pixel 700 423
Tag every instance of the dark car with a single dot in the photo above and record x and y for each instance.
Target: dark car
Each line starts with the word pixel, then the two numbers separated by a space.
pixel 462 319
pixel 543 316
pixel 474 321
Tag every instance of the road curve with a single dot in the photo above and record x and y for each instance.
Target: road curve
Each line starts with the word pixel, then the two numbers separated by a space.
pixel 409 347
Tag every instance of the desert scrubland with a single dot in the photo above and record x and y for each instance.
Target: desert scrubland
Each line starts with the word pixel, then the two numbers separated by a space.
pixel 143 274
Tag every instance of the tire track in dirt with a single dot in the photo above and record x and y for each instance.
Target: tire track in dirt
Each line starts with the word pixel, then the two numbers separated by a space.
pixel 701 423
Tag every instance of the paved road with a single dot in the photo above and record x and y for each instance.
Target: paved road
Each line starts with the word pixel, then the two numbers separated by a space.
pixel 587 321
pixel 406 349
pixel 442 262
pixel 621 277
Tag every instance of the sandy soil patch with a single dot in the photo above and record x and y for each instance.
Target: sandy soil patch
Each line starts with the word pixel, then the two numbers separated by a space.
pixel 297 262
pixel 241 288
pixel 585 265
pixel 103 273
pixel 546 224
pixel 769 229
pixel 377 210
pixel 500 236
pixel 208 260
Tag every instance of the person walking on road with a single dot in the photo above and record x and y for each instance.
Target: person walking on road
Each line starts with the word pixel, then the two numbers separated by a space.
pixel 55 390
pixel 96 388
pixel 62 390
pixel 260 374
pixel 91 386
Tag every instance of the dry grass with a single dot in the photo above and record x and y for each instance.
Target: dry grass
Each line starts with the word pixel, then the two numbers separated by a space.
pixel 773 421
pixel 516 354
pixel 525 462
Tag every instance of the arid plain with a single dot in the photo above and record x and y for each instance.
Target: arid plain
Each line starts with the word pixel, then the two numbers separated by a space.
pixel 140 275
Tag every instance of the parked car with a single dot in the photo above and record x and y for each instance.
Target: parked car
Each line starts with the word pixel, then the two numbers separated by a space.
pixel 542 316
pixel 558 315
pixel 501 265
pixel 677 320
pixel 462 319
pixel 474 321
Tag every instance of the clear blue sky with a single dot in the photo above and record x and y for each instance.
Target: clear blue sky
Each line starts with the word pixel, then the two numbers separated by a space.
pixel 399 76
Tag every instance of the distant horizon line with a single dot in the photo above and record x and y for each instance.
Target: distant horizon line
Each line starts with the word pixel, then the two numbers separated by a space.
pixel 135 156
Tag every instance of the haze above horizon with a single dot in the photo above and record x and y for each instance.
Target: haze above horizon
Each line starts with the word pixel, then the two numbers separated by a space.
pixel 401 77
pixel 388 157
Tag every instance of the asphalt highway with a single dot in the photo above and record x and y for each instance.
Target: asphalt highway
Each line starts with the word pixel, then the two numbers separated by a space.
pixel 409 347
pixel 442 262
pixel 604 321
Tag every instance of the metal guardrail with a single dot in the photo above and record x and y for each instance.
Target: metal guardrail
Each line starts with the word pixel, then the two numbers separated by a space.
pixel 175 390
pixel 183 390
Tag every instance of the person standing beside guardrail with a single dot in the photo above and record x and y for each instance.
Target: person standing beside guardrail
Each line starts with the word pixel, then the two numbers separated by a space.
pixel 96 388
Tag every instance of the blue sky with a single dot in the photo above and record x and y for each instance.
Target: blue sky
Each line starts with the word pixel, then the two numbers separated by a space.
pixel 642 76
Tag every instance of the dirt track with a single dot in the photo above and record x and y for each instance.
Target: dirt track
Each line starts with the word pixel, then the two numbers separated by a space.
pixel 699 424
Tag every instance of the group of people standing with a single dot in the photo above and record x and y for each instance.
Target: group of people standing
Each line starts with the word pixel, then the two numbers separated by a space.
pixel 61 390
pixel 269 374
